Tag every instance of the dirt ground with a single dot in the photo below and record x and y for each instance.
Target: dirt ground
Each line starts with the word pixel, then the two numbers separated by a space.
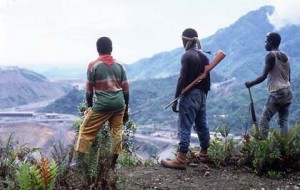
pixel 201 177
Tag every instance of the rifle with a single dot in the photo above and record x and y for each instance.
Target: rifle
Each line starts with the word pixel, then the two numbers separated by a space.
pixel 252 112
pixel 219 57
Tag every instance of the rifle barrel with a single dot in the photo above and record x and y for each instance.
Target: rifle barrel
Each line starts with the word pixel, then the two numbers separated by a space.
pixel 173 101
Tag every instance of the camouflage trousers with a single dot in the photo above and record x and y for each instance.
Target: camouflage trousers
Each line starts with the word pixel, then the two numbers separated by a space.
pixel 91 125
pixel 278 102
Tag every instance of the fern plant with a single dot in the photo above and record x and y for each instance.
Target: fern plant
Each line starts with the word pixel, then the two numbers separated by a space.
pixel 48 172
pixel 81 108
pixel 7 158
pixel 98 157
pixel 95 165
pixel 63 156
pixel 221 149
pixel 128 137
pixel 38 176
pixel 28 176
pixel 10 155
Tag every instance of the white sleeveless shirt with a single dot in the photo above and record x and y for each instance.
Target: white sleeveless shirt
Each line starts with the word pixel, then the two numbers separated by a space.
pixel 279 76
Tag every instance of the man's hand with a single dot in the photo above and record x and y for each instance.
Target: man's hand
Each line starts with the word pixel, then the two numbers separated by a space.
pixel 174 107
pixel 126 116
pixel 248 84
pixel 87 110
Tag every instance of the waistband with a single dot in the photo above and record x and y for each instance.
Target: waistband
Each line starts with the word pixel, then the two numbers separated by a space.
pixel 282 89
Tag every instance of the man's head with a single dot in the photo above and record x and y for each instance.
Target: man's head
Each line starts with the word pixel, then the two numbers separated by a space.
pixel 190 33
pixel 273 40
pixel 104 46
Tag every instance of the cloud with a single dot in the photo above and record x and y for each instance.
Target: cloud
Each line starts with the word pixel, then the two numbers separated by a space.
pixel 286 13
pixel 56 31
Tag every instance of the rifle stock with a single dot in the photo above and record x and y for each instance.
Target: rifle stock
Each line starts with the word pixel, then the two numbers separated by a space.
pixel 219 57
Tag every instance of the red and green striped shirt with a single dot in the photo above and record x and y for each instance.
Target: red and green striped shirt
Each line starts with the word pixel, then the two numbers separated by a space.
pixel 108 81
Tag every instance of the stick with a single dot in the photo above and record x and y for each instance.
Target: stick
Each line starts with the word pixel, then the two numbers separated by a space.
pixel 252 111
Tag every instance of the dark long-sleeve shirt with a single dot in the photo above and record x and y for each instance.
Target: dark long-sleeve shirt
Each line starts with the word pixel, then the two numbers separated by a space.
pixel 192 65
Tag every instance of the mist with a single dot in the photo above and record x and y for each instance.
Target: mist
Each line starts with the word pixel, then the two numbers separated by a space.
pixel 286 13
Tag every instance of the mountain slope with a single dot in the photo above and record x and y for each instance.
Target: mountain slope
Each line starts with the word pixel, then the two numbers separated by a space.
pixel 159 66
pixel 243 42
pixel 237 39
pixel 20 86
pixel 153 80
pixel 66 104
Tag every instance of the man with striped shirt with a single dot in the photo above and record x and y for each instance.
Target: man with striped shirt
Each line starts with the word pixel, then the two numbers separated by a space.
pixel 107 81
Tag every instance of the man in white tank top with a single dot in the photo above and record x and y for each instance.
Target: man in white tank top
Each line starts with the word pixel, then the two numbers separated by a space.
pixel 277 70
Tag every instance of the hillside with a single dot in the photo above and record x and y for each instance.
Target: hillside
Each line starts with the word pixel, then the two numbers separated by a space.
pixel 66 104
pixel 153 80
pixel 226 105
pixel 243 42
pixel 21 86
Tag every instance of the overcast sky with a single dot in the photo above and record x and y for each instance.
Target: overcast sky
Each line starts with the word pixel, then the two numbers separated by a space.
pixel 65 31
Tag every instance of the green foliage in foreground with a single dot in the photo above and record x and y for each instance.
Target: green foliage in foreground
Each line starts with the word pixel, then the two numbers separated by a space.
pixel 275 157
pixel 221 150
pixel 41 175
pixel 21 169
pixel 276 153
pixel 272 156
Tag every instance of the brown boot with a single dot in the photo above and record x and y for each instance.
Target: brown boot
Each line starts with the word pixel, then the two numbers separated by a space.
pixel 201 154
pixel 114 159
pixel 178 163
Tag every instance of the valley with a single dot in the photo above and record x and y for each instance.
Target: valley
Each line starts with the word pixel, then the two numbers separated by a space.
pixel 46 130
pixel 36 130
pixel 153 82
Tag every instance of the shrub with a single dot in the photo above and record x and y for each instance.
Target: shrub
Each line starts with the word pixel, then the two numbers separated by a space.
pixel 63 156
pixel 10 156
pixel 221 149
pixel 275 153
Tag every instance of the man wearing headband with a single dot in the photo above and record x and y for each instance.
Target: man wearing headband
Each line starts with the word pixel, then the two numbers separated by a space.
pixel 277 69
pixel 192 107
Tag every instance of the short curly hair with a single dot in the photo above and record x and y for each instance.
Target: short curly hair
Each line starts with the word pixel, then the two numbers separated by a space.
pixel 274 38
pixel 104 45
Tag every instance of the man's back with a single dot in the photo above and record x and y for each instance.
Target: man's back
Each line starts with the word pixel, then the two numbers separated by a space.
pixel 109 83
pixel 279 76
pixel 193 64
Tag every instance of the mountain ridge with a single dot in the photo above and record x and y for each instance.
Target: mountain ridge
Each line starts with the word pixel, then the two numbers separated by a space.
pixel 19 86
pixel 242 41
pixel 153 80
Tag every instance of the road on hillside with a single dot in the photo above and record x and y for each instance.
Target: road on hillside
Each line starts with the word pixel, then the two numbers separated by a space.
pixel 166 152
pixel 161 139
pixel 31 107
